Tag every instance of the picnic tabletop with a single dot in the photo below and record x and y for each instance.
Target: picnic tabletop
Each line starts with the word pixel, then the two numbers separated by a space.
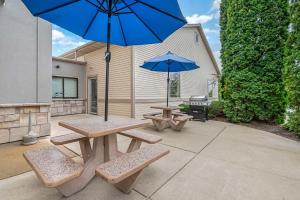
pixel 95 126
pixel 165 107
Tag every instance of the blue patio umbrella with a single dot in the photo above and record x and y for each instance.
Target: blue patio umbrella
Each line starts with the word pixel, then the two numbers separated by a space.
pixel 120 22
pixel 169 63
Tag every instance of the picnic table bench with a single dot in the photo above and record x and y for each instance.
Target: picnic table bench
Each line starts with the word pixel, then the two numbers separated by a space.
pixel 52 166
pixel 159 122
pixel 123 170
pixel 55 169
pixel 178 122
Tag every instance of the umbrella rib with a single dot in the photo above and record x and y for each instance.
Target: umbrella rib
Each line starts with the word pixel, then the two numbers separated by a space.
pixel 101 4
pixel 154 66
pixel 122 30
pixel 144 23
pixel 159 10
pixel 124 7
pixel 90 24
pixel 57 7
pixel 96 6
pixel 115 5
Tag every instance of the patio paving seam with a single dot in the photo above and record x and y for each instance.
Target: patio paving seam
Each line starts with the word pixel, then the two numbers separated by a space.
pixel 175 147
pixel 140 193
pixel 253 168
pixel 188 162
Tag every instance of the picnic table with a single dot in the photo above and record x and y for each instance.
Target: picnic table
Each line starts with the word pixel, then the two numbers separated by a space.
pixel 167 118
pixel 102 158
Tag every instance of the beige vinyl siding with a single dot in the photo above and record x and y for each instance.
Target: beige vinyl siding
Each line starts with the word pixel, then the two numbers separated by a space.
pixel 152 85
pixel 120 78
pixel 122 109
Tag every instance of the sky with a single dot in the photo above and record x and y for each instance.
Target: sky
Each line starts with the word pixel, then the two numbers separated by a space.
pixel 205 12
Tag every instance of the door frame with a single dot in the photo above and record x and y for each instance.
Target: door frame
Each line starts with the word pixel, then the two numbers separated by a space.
pixel 88 102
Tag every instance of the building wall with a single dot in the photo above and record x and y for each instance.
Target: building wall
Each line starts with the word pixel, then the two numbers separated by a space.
pixel 25 58
pixel 153 85
pixel 14 120
pixel 120 83
pixel 25 72
pixel 71 69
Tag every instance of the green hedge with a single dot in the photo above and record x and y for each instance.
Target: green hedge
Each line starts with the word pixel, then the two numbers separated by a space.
pixel 291 71
pixel 253 34
pixel 215 109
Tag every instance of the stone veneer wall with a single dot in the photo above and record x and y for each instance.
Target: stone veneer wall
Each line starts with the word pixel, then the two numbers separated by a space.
pixel 14 120
pixel 61 107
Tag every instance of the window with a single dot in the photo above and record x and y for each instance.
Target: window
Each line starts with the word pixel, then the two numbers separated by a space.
pixel 175 85
pixel 211 85
pixel 63 87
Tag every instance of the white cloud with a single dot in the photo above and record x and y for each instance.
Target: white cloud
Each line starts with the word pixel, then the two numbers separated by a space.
pixel 63 41
pixel 199 19
pixel 57 35
pixel 216 5
pixel 210 30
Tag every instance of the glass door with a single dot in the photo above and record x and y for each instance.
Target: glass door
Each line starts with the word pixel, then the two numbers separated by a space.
pixel 92 96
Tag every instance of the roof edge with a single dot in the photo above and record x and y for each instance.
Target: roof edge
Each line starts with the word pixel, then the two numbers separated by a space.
pixel 68 60
pixel 198 26
pixel 76 49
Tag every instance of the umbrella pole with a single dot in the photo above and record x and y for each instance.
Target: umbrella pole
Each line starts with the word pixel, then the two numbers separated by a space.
pixel 168 86
pixel 107 59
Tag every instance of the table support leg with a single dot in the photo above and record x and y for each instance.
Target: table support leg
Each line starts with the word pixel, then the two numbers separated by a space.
pixel 86 150
pixel 160 125
pixel 134 145
pixel 111 147
pixel 88 173
pixel 127 184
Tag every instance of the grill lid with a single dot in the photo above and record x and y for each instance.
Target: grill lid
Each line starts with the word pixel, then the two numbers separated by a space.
pixel 198 98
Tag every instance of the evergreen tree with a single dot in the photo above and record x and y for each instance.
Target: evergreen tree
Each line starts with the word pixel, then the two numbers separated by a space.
pixel 253 34
pixel 291 71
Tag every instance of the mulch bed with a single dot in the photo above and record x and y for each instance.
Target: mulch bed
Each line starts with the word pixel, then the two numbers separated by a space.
pixel 264 126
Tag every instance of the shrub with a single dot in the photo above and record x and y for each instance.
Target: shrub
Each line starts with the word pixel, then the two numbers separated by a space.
pixel 253 34
pixel 291 71
pixel 184 107
pixel 293 122
pixel 215 109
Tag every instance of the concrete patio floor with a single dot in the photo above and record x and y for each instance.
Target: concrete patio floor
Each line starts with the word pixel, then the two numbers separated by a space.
pixel 209 161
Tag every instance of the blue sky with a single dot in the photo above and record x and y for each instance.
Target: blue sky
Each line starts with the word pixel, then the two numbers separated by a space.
pixel 205 12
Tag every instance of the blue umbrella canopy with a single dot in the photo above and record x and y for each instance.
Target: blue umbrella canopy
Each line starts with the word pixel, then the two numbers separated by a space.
pixel 133 22
pixel 169 62
pixel 120 22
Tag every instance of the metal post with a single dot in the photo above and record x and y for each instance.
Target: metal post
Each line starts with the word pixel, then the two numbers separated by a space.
pixel 168 80
pixel 107 58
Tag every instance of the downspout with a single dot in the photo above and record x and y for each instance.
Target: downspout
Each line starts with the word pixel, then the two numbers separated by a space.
pixel 37 60
pixel 132 83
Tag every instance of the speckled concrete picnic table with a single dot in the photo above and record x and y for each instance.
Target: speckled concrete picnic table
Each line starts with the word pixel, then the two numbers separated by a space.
pixel 105 145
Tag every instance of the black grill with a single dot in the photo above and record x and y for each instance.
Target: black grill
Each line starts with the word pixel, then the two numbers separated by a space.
pixel 199 107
